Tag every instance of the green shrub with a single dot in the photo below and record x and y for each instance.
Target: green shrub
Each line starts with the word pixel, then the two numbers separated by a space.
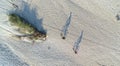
pixel 25 27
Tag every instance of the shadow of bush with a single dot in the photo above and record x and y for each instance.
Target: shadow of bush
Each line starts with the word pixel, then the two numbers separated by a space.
pixel 30 14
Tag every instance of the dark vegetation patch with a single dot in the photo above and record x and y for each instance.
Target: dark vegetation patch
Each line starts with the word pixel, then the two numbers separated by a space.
pixel 25 27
